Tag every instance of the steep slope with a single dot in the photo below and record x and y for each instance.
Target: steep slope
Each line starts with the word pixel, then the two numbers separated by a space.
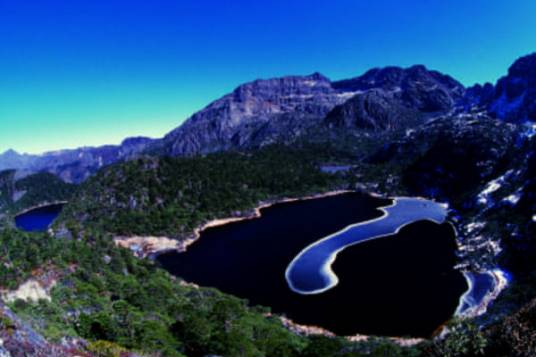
pixel 282 109
pixel 393 98
pixel 513 98
pixel 19 339
pixel 172 196
pixel 106 302
pixel 256 114
pixel 19 192
pixel 515 94
pixel 451 155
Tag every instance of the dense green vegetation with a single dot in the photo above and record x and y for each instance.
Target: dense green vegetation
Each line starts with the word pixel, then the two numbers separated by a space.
pixel 172 196
pixel 42 188
pixel 119 303
pixel 33 190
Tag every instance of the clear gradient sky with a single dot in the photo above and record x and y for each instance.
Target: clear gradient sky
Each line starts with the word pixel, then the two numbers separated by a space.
pixel 75 73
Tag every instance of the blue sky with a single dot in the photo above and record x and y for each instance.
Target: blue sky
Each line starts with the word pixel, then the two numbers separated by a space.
pixel 76 73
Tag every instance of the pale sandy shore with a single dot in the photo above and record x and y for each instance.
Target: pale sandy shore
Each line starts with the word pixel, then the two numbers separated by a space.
pixel 308 330
pixel 150 246
pixel 256 212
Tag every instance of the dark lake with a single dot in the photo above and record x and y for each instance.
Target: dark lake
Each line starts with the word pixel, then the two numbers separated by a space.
pixel 403 285
pixel 39 219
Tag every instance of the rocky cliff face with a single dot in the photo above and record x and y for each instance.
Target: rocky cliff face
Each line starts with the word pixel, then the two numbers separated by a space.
pixel 515 94
pixel 256 114
pixel 17 338
pixel 513 98
pixel 282 109
pixel 392 98
pixel 451 155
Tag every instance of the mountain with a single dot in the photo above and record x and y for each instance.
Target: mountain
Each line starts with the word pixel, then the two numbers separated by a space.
pixel 513 98
pixel 282 109
pixel 515 94
pixel 426 90
pixel 392 98
pixel 411 131
pixel 75 165
pixel 256 114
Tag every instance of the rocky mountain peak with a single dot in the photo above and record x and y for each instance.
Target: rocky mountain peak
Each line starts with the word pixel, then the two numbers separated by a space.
pixel 524 67
pixel 10 152
pixel 266 111
pixel 275 88
pixel 257 113
pixel 280 109
pixel 396 78
pixel 514 97
pixel 394 97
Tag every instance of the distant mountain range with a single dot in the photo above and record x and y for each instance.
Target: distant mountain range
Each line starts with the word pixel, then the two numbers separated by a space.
pixel 283 109
pixel 76 165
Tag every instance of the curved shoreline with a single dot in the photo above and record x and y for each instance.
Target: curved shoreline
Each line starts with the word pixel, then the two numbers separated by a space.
pixel 468 308
pixel 257 211
pixel 325 262
pixel 154 246
pixel 39 206
pixel 183 245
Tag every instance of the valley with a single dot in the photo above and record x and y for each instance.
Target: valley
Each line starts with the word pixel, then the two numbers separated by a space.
pixel 248 259
pixel 398 132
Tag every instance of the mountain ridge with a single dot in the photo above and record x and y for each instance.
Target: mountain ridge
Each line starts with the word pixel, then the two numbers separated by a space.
pixel 283 109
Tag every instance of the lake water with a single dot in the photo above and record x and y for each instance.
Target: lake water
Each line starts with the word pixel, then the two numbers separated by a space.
pixel 39 219
pixel 404 285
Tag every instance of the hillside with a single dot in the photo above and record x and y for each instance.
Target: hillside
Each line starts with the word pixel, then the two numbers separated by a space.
pixel 105 302
pixel 393 131
pixel 453 158
pixel 21 193
pixel 172 196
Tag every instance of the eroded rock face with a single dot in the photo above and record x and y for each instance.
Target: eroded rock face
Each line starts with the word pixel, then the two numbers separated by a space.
pixel 19 339
pixel 375 109
pixel 256 114
pixel 282 109
pixel 478 96
pixel 394 97
pixel 514 96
